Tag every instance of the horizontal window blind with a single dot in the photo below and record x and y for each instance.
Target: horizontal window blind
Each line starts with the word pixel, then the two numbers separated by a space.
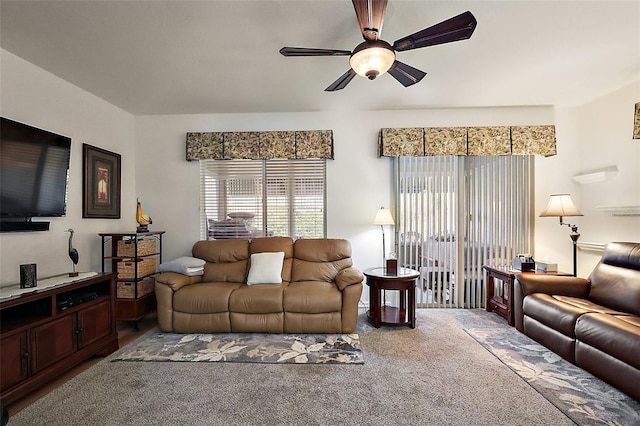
pixel 267 198
pixel 296 194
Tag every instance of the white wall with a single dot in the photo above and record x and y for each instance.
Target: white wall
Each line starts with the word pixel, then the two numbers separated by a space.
pixel 38 98
pixel 594 136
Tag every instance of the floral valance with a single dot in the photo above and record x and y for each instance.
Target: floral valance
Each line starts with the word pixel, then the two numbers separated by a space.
pixel 496 140
pixel 298 144
pixel 636 122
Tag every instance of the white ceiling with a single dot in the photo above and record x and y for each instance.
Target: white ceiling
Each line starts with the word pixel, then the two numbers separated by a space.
pixel 187 57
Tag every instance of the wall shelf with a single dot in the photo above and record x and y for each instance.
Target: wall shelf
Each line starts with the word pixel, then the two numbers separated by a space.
pixel 620 210
pixel 599 176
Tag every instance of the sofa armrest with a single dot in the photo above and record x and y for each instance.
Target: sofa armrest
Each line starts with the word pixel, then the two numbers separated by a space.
pixel 526 284
pixel 347 277
pixel 176 280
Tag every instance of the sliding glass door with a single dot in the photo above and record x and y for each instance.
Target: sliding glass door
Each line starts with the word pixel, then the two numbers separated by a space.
pixel 455 214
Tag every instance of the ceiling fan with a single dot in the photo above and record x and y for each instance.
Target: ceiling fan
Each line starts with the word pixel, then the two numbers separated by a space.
pixel 374 56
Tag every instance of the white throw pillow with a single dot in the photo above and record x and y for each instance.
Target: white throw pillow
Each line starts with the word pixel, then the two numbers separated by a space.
pixel 266 268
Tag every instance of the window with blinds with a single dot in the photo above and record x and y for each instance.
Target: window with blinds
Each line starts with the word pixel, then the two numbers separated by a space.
pixel 455 214
pixel 253 198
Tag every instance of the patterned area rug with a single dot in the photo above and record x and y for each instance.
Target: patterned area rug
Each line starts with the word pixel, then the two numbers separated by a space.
pixel 250 347
pixel 584 398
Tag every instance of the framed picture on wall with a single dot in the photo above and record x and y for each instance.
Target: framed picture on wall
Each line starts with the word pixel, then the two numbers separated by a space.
pixel 101 183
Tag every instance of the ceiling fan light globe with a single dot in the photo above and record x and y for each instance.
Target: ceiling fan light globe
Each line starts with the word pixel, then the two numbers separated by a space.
pixel 371 59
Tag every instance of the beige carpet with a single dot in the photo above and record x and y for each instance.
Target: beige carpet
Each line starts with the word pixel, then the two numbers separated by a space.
pixel 434 374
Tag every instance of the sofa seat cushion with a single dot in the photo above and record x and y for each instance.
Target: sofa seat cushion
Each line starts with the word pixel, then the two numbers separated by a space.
pixel 257 298
pixel 586 304
pixel 560 312
pixel 312 297
pixel 204 298
pixel 617 335
pixel 631 319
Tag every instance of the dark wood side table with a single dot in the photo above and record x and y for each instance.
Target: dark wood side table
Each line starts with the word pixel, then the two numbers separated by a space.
pixel 405 282
pixel 503 304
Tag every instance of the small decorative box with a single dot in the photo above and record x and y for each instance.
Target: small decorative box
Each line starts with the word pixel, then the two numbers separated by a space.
pixel 391 266
pixel 546 266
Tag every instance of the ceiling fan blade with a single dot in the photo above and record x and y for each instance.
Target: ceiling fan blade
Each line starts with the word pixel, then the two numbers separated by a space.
pixel 306 51
pixel 370 14
pixel 341 82
pixel 405 74
pixel 457 28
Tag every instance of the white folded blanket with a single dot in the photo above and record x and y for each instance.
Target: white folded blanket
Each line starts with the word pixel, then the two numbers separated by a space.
pixel 184 265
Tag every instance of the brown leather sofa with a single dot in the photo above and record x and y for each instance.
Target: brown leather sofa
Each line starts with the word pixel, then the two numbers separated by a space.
pixel 593 323
pixel 319 290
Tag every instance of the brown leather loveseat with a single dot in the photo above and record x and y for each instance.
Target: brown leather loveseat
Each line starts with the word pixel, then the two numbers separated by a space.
pixel 593 323
pixel 317 289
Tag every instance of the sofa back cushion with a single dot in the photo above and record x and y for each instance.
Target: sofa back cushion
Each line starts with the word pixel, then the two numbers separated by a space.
pixel 320 259
pixel 275 244
pixel 615 281
pixel 227 260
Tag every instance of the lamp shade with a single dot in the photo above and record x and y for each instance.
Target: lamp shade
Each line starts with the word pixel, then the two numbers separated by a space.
pixel 372 58
pixel 383 217
pixel 560 205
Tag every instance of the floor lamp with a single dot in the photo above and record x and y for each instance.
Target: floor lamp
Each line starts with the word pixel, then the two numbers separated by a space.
pixel 562 205
pixel 383 217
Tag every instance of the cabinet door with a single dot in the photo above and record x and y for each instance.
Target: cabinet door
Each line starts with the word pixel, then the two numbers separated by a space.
pixel 94 323
pixel 13 360
pixel 53 341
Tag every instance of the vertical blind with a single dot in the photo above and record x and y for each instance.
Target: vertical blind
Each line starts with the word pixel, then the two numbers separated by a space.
pixel 251 198
pixel 456 214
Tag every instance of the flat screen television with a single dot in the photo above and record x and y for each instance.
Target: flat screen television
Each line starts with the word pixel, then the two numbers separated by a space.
pixel 34 169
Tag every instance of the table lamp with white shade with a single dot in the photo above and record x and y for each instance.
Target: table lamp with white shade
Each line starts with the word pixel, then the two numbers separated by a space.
pixel 383 217
pixel 562 205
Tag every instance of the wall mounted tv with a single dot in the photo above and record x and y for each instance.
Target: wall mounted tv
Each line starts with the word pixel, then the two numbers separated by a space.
pixel 34 169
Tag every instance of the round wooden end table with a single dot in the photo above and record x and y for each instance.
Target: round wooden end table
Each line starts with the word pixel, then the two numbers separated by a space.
pixel 405 282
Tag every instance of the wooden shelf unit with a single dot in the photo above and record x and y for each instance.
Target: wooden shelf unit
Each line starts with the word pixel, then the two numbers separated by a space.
pixel 132 308
pixel 40 340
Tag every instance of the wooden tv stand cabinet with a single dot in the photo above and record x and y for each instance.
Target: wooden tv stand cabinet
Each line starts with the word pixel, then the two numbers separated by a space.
pixel 40 338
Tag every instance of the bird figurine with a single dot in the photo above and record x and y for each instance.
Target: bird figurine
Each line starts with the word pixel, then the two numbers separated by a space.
pixel 73 253
pixel 143 219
